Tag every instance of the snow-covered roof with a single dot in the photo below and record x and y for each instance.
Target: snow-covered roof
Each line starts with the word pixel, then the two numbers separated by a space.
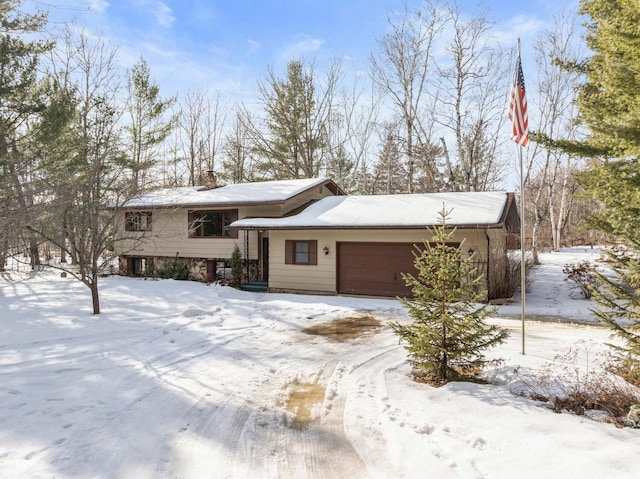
pixel 238 194
pixel 384 211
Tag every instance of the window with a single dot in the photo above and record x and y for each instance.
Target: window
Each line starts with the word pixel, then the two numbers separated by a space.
pixel 140 266
pixel 301 252
pixel 138 221
pixel 212 224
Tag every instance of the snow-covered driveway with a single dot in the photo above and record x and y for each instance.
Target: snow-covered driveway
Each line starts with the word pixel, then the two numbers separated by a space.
pixel 204 392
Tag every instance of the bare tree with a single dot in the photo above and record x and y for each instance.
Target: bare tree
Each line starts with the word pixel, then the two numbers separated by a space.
pixel 549 196
pixel 351 134
pixel 239 164
pixel 470 99
pixel 402 70
pixel 200 133
pixel 88 173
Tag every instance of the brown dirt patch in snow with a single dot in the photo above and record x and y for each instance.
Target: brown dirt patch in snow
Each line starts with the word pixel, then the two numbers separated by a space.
pixel 343 329
pixel 301 401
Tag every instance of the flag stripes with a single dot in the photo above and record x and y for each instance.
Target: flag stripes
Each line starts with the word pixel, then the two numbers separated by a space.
pixel 518 108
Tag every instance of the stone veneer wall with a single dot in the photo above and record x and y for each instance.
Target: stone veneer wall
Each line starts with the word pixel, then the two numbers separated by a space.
pixel 197 267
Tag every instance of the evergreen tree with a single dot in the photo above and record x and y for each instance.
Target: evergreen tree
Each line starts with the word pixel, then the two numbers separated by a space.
pixel 608 100
pixel 448 334
pixel 21 100
pixel 235 262
pixel 292 140
pixel 388 175
pixel 149 125
pixel 616 186
pixel 609 103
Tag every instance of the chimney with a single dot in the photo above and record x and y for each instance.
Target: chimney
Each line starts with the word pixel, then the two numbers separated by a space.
pixel 210 181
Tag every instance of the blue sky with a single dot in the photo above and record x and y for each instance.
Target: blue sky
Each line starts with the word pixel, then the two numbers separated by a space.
pixel 227 45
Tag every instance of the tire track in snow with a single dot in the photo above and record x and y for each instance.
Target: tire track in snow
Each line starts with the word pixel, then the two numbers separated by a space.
pixel 164 391
pixel 368 389
pixel 320 451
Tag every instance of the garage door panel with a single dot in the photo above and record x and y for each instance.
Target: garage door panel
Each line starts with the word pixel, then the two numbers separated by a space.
pixel 374 268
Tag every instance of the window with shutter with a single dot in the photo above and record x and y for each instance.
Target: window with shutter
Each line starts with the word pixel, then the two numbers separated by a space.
pixel 303 252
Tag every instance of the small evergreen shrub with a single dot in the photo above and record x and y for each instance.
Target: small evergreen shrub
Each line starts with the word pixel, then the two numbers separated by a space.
pixel 174 269
pixel 448 334
pixel 235 263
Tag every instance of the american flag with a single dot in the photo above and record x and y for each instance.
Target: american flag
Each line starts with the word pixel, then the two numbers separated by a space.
pixel 518 108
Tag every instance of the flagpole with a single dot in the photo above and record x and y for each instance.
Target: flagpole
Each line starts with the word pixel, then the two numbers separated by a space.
pixel 520 134
pixel 523 238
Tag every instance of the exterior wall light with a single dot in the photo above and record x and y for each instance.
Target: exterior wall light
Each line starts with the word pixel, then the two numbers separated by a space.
pixel 325 250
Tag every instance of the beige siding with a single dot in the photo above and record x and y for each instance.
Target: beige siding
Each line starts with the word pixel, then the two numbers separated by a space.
pixel 170 231
pixel 169 236
pixel 322 277
pixel 497 275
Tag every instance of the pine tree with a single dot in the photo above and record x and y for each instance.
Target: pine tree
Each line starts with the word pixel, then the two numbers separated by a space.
pixel 235 262
pixel 608 100
pixel 616 186
pixel 149 124
pixel 22 100
pixel 609 103
pixel 619 309
pixel 448 334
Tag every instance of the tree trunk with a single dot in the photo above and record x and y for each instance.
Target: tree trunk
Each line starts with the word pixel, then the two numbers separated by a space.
pixel 562 213
pixel 95 298
pixel 34 253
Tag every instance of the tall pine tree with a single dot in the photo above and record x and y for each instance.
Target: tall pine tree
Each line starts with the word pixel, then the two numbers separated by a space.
pixel 21 100
pixel 609 103
pixel 448 334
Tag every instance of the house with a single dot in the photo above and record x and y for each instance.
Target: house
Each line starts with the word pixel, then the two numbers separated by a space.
pixel 363 244
pixel 306 236
pixel 192 223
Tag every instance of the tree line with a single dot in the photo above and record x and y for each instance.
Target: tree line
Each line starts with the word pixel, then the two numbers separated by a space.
pixel 78 134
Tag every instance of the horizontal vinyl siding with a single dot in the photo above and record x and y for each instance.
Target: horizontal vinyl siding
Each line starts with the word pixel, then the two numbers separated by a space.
pixel 170 236
pixel 323 277
pixel 320 277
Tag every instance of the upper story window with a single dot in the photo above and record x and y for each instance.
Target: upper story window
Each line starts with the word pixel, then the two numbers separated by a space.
pixel 212 224
pixel 137 221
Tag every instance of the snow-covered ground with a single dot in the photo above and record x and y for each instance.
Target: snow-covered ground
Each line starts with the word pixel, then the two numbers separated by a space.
pixel 183 380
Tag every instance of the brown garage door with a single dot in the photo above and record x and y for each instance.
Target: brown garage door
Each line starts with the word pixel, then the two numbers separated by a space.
pixel 374 268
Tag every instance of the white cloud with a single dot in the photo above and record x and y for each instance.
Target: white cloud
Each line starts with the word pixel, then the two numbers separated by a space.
pixel 158 9
pixel 164 14
pixel 254 46
pixel 521 26
pixel 303 46
pixel 99 6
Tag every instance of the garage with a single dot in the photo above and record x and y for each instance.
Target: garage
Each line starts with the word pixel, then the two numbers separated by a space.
pixel 374 269
pixel 365 243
